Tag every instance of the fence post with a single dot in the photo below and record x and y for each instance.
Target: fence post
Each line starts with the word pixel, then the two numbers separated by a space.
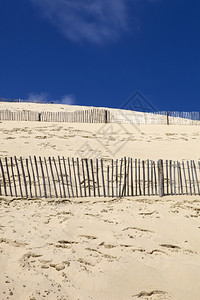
pixel 106 116
pixel 167 115
pixel 161 178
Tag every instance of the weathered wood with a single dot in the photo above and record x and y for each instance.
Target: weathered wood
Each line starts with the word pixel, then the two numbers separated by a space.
pixel 37 174
pixel 170 175
pixel 188 167
pixel 120 177
pixel 167 177
pixel 82 161
pixel 132 177
pixel 62 178
pixel 112 179
pixel 196 177
pixel 43 177
pixel 191 165
pixel 58 178
pixel 66 176
pixel 53 179
pixel 108 190
pixel 33 173
pixel 116 173
pixel 103 181
pixel 160 178
pixel 19 179
pixel 48 178
pixel 79 178
pixel 3 176
pixel 127 181
pixel 143 173
pixel 97 171
pixel 13 175
pixel 174 165
pixel 93 180
pixel 76 186
pixel 29 179
pixel 8 175
pixel 184 174
pixel 151 177
pixel 148 183
pixel 139 182
pixel 155 178
pixel 136 177
pixel 181 182
pixel 178 172
pixel 70 176
pixel 88 176
pixel 24 177
pixel 123 193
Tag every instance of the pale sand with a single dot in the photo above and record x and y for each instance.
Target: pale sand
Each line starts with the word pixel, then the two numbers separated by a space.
pixel 96 248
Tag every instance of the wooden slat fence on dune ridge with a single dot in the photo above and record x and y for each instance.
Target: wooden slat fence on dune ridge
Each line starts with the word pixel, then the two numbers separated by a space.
pixel 104 116
pixel 82 116
pixel 37 177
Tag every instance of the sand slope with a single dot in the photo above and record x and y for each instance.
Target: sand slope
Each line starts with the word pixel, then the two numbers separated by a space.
pixel 100 249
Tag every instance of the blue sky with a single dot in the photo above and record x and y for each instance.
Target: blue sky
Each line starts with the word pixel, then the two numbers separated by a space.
pixel 99 52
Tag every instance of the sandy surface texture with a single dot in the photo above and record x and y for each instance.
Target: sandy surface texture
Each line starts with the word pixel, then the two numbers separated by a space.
pixel 174 142
pixel 144 248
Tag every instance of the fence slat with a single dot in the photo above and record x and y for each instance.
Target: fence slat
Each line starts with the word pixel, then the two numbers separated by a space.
pixel 191 165
pixel 143 172
pixel 116 174
pixel 108 190
pixel 161 178
pixel 120 177
pixel 188 167
pixel 167 177
pixel 103 181
pixel 58 178
pixel 136 177
pixel 195 172
pixel 97 171
pixel 37 174
pixel 4 180
pixel 79 179
pixel 155 178
pixel 112 179
pixel 74 171
pixel 13 176
pixel 88 175
pixel 174 165
pixel 53 179
pixel 19 179
pixel 70 176
pixel 33 173
pixel 8 175
pixel 184 174
pixel 92 169
pixel 84 177
pixel 66 176
pixel 23 173
pixel 139 182
pixel 43 177
pixel 61 175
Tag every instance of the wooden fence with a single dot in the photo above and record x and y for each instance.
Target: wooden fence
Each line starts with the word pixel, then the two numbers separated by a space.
pixel 97 115
pixel 37 177
pixel 82 116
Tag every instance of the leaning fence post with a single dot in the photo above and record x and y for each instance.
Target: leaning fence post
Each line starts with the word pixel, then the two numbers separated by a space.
pixel 160 178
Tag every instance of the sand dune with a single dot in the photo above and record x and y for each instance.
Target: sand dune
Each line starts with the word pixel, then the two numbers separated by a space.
pixel 97 248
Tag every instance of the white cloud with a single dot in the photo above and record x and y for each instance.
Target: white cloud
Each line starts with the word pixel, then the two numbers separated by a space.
pixel 67 99
pixel 44 97
pixel 95 21
pixel 41 97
